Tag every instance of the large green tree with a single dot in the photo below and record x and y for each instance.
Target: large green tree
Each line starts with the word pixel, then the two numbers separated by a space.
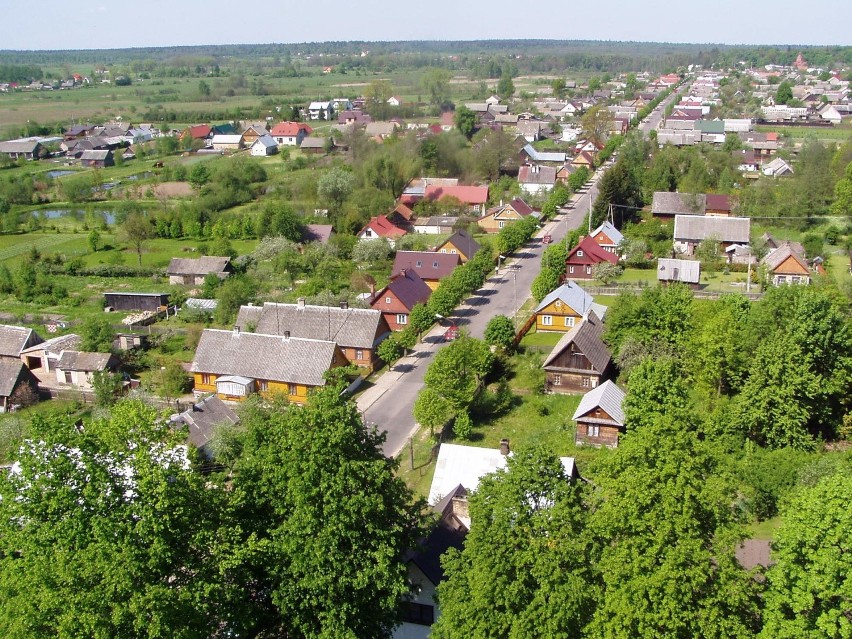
pixel 525 570
pixel 325 523
pixel 458 370
pixel 105 531
pixel 810 585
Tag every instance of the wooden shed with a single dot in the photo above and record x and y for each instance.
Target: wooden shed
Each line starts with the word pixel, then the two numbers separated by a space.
pixel 136 301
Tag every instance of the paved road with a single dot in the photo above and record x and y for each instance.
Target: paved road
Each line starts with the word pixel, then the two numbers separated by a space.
pixel 389 404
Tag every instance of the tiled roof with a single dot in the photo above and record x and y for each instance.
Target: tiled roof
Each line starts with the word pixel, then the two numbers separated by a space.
pixel 13 339
pixel 702 227
pixel 349 327
pixel 381 226
pixel 203 417
pixel 592 250
pixel 266 357
pixel 587 337
pixel 719 202
pixel 197 266
pixel 607 396
pixel 84 361
pixel 427 264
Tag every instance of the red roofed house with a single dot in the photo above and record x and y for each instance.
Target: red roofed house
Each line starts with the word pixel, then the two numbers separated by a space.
pixel 500 216
pixel 719 205
pixel 401 216
pixel 290 133
pixel 429 265
pixel 380 226
pixel 583 257
pixel 474 197
pixel 403 293
pixel 197 132
pixel 584 158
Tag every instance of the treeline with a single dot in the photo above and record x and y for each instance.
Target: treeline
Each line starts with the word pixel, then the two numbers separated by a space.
pixel 20 72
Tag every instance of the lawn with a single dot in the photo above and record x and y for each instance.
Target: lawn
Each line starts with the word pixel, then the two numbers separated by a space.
pixel 764 529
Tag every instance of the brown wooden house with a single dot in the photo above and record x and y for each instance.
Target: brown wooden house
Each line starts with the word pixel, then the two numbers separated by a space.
pixel 580 360
pixel 599 418
pixel 402 294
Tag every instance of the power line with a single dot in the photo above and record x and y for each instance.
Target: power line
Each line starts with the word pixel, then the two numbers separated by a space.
pixel 751 217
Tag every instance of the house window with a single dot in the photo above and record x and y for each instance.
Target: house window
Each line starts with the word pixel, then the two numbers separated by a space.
pixel 588 270
pixel 593 430
pixel 419 263
pixel 419 614
pixel 262 385
pixel 569 321
pixel 359 354
pixel 579 253
pixel 434 265
pixel 205 379
pixel 585 382
pixel 402 318
pixel 453 251
pixel 292 388
pixel 444 250
pixel 557 379
pixel 547 320
pixel 570 269
pixel 387 300
pixel 501 224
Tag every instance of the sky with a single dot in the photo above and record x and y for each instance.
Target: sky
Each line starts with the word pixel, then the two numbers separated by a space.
pixel 102 24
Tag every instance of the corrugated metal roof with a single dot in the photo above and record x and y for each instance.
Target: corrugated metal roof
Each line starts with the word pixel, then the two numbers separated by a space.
pixel 702 227
pixel 587 337
pixel 607 396
pixel 673 270
pixel 570 294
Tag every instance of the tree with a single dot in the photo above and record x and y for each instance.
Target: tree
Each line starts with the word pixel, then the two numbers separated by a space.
pixel 171 381
pixel 326 524
pixel 458 370
pixel 371 251
pixel 558 86
pixel 842 204
pixel 784 94
pixel 235 291
pixel 667 535
pixel 106 386
pixel 465 121
pixel 389 350
pixel 97 334
pixel 500 332
pixel 606 273
pixel 137 230
pixel 94 240
pixel 505 87
pixel 203 89
pixel 524 570
pixel 809 585
pixel 432 410
pixel 335 186
pixel 436 82
pixel 546 281
pixel 421 318
pixel 596 124
pixel 655 388
pixel 107 531
pixel 463 425
pixel 199 175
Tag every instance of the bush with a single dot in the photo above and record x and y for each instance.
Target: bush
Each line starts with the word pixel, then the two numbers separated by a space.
pixel 463 426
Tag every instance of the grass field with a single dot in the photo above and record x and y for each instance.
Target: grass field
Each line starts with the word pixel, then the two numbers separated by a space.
pixel 837 133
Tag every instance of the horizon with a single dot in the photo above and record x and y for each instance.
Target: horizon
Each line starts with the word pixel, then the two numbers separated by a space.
pixel 162 24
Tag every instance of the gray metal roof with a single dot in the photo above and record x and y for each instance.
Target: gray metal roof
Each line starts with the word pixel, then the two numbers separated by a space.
pixel 587 337
pixel 201 303
pixel 544 156
pixel 607 396
pixel 572 295
pixel 349 327
pixel 267 357
pixel 19 146
pixel 95 155
pixel 701 227
pixel 201 420
pixel 13 339
pixel 611 232
pixel 678 203
pixel 672 270
pixel 56 345
pixel 10 372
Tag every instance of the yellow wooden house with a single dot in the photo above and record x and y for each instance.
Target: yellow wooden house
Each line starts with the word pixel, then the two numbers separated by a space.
pixel 498 217
pixel 785 266
pixel 563 308
pixel 460 243
pixel 235 364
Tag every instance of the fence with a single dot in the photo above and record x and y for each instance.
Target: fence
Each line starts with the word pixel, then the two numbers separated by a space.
pixel 524 330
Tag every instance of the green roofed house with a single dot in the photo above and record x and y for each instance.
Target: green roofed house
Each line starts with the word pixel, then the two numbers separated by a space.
pixel 712 131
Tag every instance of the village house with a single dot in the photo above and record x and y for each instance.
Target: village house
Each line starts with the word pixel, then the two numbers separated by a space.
pixel 435 224
pixel 380 227
pixel 535 179
pixel 202 420
pixel 380 130
pixel 530 154
pixel 498 217
pixel 460 243
pixel 315 145
pixel 777 168
pixel 691 230
pixel 235 364
pixel 136 301
pixel 45 355
pixel 665 205
pixel 607 237
pixel 473 197
pixel 356 331
pixel 227 142
pixel 15 339
pixel 290 133
pixel 719 205
pixel 580 360
pixel 583 258
pixel 599 418
pixel 192 271
pixel 77 368
pixel 253 132
pixel 675 270
pixel 584 158
pixel 264 146
pixel 786 266
pixel 431 266
pixel 320 110
pixel 402 294
pixel 18 386
pixel 97 159
pixel 563 308
pixel 317 233
pixel 17 149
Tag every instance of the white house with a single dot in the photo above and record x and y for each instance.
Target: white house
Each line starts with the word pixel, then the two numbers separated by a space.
pixel 321 110
pixel 227 142
pixel 78 367
pixel 777 168
pixel 264 145
pixel 394 101
pixel 536 179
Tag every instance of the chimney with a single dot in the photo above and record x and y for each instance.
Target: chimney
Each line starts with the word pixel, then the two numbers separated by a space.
pixel 286 335
pixel 504 446
pixel 402 273
pixel 236 331
pixel 300 303
pixel 372 290
pixel 344 304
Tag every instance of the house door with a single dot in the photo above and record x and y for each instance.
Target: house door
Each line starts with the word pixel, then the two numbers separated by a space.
pixel 68 377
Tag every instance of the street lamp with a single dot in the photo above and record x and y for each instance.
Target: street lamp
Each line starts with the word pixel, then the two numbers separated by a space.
pixel 500 259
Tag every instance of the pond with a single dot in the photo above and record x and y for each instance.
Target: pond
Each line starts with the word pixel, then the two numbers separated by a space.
pixel 58 173
pixel 76 214
pixel 141 176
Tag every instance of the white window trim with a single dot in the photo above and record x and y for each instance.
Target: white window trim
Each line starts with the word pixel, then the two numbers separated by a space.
pixel 401 318
pixel 547 320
